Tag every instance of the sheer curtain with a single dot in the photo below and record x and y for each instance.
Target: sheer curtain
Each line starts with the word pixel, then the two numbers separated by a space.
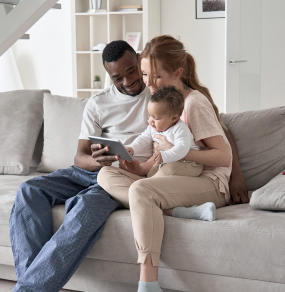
pixel 10 78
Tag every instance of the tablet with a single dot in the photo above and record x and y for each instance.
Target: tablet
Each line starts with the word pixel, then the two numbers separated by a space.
pixel 116 147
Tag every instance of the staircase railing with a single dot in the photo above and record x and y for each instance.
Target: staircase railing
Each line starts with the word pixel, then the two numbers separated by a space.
pixel 25 13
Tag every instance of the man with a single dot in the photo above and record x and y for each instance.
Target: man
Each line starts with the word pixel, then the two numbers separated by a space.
pixel 45 261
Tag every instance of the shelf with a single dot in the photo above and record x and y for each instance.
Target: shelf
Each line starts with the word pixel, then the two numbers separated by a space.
pixel 125 12
pixel 90 13
pixel 90 89
pixel 89 52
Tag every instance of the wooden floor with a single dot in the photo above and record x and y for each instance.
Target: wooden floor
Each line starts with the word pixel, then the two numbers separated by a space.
pixel 7 286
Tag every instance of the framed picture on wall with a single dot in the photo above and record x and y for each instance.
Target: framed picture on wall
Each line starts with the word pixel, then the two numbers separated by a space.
pixel 133 38
pixel 210 9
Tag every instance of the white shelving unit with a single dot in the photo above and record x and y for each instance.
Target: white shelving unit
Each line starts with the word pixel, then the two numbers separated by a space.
pixel 103 26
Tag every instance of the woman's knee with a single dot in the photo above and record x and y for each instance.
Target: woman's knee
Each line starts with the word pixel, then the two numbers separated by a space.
pixel 102 178
pixel 140 192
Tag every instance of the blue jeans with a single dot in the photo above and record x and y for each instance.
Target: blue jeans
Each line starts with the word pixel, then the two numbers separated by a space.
pixel 45 261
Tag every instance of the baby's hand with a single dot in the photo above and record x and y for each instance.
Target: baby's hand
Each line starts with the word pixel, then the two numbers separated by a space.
pixel 130 150
pixel 157 157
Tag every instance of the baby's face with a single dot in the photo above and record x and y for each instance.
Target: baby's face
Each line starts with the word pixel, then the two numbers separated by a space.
pixel 159 117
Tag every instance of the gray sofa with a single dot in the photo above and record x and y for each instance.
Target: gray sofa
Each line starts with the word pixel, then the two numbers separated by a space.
pixel 243 250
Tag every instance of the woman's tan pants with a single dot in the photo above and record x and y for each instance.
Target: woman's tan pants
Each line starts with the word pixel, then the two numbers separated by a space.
pixel 147 197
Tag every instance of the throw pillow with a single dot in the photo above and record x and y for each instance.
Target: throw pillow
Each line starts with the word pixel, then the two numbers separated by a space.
pixel 260 139
pixel 62 121
pixel 271 196
pixel 21 117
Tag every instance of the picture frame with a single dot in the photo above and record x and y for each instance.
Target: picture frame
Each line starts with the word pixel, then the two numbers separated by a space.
pixel 133 38
pixel 210 9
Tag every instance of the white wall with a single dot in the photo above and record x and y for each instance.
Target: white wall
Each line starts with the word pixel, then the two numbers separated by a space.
pixel 255 34
pixel 273 51
pixel 205 40
pixel 45 61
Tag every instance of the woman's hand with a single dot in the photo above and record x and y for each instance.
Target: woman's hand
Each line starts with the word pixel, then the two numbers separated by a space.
pixel 133 166
pixel 157 157
pixel 163 144
pixel 238 189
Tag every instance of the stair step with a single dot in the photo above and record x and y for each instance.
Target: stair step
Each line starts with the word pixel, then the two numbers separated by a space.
pixel 57 6
pixel 25 36
pixel 15 2
pixel 10 2
pixel 20 19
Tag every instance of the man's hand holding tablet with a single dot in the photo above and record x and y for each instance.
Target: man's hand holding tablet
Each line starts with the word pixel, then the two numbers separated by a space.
pixel 115 147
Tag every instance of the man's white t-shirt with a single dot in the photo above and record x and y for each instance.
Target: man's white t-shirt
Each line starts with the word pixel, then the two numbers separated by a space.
pixel 112 114
pixel 179 135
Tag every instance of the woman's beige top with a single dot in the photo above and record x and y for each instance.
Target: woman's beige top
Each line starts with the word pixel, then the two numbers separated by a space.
pixel 201 118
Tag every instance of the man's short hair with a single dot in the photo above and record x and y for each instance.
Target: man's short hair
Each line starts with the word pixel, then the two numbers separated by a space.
pixel 115 50
pixel 173 99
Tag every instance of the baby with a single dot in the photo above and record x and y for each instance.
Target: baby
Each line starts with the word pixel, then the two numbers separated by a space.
pixel 165 108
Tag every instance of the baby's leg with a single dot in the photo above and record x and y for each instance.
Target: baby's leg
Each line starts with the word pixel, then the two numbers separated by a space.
pixel 181 168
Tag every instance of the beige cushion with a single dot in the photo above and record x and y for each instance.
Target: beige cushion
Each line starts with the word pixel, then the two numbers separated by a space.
pixel 260 138
pixel 21 116
pixel 62 121
pixel 271 196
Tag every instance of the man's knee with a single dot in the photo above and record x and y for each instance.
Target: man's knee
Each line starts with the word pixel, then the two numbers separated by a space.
pixel 30 191
pixel 25 189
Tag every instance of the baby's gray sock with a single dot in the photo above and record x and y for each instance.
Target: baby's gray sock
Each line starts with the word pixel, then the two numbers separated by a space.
pixel 149 287
pixel 205 212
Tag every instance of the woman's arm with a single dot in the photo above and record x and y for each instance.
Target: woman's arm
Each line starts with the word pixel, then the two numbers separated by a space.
pixel 217 153
pixel 237 184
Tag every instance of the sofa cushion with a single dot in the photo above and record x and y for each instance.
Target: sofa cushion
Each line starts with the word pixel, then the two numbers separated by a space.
pixel 260 139
pixel 21 117
pixel 241 243
pixel 271 196
pixel 9 186
pixel 62 121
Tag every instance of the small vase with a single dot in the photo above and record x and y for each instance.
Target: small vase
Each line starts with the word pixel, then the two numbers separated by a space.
pixel 96 84
pixel 95 4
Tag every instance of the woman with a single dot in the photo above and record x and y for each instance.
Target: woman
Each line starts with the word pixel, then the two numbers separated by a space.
pixel 164 62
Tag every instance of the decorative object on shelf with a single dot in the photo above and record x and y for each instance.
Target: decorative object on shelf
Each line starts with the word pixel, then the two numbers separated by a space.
pixel 97 82
pixel 133 38
pixel 95 6
pixel 96 24
pixel 210 9
pixel 129 8
pixel 98 47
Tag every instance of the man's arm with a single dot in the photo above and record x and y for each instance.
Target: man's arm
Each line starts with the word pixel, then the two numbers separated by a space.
pixel 237 184
pixel 90 156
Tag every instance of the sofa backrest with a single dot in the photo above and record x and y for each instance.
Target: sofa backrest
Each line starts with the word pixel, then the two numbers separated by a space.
pixel 260 139
pixel 259 135
pixel 21 117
